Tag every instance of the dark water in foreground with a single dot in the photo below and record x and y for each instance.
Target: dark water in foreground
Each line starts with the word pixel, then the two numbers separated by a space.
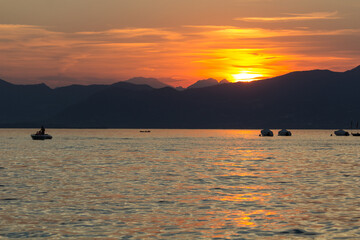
pixel 179 184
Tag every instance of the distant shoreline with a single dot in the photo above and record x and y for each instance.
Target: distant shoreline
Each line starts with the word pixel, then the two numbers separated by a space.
pixel 104 128
pixel 317 99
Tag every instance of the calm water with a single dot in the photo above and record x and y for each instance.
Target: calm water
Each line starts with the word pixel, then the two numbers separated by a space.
pixel 179 184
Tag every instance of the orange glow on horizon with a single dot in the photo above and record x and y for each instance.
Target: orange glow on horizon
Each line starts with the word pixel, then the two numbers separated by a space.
pixel 179 57
pixel 241 64
pixel 247 76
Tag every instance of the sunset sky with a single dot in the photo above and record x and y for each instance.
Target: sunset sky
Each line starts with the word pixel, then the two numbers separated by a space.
pixel 62 42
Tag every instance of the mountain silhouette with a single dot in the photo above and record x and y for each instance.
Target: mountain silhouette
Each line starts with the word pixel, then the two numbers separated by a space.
pixel 152 82
pixel 304 99
pixel 204 83
pixel 224 81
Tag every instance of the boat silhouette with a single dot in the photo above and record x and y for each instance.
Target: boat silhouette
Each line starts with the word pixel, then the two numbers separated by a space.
pixel 357 134
pixel 341 132
pixel 41 135
pixel 266 133
pixel 284 132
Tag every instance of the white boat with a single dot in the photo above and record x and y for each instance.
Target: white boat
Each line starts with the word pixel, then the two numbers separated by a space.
pixel 341 132
pixel 40 136
pixel 267 133
pixel 284 132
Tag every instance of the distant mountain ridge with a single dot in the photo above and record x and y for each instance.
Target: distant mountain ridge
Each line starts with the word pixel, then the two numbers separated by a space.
pixel 304 99
pixel 152 82
pixel 204 83
pixel 207 83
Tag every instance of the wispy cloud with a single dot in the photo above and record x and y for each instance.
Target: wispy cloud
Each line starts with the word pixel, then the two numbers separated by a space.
pixel 135 32
pixel 190 52
pixel 293 17
pixel 258 33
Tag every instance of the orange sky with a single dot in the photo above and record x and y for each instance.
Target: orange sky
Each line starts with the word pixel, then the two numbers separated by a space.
pixel 62 42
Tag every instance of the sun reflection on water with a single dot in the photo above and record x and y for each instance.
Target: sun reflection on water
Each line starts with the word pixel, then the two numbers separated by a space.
pixel 179 184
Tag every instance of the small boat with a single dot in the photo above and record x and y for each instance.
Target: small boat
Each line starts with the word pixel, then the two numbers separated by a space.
pixel 341 132
pixel 40 136
pixel 284 132
pixel 266 133
pixel 357 134
pixel 145 131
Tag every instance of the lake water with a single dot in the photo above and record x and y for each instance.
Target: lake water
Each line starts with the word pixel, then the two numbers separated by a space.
pixel 179 184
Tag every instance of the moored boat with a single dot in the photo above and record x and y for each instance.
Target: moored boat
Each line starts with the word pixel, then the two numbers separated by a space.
pixel 266 133
pixel 341 132
pixel 284 132
pixel 356 134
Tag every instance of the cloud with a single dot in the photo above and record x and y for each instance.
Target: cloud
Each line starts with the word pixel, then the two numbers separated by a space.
pixel 231 33
pixel 188 52
pixel 293 17
pixel 134 33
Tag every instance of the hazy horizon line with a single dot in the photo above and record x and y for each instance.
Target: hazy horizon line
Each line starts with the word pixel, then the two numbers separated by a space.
pixel 114 81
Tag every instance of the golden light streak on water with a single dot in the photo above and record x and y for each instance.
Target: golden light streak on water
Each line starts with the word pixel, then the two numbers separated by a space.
pixel 178 184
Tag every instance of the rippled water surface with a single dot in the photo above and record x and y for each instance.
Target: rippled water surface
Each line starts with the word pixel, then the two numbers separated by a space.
pixel 179 184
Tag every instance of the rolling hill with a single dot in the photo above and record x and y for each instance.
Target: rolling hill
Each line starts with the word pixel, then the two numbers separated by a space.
pixel 308 99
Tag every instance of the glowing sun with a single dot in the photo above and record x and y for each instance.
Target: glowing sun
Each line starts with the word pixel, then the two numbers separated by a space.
pixel 246 76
